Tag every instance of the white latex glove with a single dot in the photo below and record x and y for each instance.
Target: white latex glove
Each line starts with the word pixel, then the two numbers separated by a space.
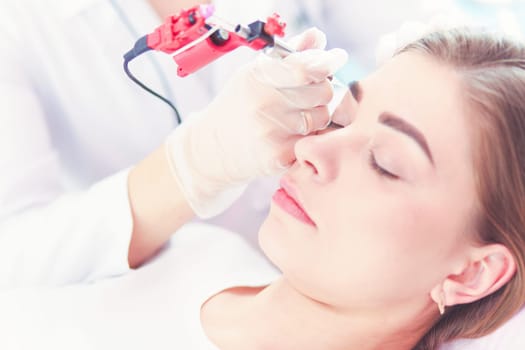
pixel 251 127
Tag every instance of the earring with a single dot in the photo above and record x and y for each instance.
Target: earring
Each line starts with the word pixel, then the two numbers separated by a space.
pixel 441 303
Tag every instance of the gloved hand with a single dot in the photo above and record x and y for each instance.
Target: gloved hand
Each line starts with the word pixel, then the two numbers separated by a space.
pixel 251 127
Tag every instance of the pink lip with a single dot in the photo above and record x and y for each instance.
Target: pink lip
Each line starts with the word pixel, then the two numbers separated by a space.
pixel 286 198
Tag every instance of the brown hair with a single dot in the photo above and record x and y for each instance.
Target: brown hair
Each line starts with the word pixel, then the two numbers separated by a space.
pixel 492 71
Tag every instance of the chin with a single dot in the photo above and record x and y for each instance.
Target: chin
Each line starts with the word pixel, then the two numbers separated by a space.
pixel 272 238
pixel 283 240
pixel 268 235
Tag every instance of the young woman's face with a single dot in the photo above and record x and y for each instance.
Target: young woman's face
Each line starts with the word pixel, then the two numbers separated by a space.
pixel 388 200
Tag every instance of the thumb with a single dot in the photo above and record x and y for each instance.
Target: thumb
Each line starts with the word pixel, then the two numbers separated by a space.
pixel 311 38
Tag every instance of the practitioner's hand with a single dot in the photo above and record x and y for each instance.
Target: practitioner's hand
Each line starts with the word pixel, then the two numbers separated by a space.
pixel 251 127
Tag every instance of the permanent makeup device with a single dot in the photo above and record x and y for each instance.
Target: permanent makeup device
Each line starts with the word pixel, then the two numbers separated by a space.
pixel 195 38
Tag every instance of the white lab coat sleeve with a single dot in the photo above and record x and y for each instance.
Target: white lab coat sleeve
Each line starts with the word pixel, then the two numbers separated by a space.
pixel 76 237
pixel 48 236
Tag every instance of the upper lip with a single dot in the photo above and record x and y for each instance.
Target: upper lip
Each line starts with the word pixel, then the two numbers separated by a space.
pixel 289 188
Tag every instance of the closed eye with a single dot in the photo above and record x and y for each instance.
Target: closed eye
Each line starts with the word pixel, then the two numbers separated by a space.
pixel 377 168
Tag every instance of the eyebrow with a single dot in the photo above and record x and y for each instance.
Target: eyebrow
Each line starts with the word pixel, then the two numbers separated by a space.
pixel 408 129
pixel 395 122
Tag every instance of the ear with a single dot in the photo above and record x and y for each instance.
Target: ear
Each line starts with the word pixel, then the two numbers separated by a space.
pixel 488 269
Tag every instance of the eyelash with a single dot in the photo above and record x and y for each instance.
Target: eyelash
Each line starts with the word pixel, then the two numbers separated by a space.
pixel 381 171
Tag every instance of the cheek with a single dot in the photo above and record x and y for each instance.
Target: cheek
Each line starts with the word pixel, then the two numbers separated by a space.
pixel 368 238
pixel 374 247
pixel 376 242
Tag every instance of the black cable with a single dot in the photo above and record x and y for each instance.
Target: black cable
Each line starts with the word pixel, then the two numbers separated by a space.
pixel 139 83
pixel 139 48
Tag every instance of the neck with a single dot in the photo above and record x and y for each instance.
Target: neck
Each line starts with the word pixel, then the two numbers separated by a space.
pixel 295 321
pixel 165 8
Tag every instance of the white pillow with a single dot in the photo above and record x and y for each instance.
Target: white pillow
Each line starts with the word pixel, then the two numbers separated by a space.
pixel 510 336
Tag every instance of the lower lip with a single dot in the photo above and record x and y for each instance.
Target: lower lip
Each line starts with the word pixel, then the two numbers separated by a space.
pixel 288 204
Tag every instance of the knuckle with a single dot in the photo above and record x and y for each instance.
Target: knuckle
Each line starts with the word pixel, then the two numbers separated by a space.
pixel 321 117
pixel 324 93
pixel 302 76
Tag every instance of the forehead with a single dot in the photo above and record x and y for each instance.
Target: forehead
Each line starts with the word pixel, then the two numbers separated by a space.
pixel 427 94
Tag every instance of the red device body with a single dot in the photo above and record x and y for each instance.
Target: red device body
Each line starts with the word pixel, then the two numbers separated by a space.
pixel 205 52
pixel 186 29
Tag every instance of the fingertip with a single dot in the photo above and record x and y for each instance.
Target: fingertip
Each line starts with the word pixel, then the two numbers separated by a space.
pixel 312 38
pixel 340 57
pixel 318 39
pixel 284 161
pixel 327 63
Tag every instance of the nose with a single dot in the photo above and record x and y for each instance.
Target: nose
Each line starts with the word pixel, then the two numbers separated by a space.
pixel 324 154
pixel 318 154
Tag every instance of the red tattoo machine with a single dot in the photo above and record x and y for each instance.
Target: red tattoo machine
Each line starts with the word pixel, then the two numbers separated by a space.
pixel 195 37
